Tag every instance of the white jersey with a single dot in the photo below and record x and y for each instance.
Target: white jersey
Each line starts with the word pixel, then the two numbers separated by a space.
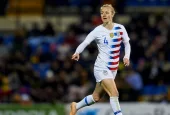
pixel 108 43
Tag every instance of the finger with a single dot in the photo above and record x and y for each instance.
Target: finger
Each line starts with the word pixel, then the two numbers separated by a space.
pixel 73 56
pixel 77 58
pixel 126 64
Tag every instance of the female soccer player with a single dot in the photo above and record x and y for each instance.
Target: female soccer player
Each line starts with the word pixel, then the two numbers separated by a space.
pixel 108 37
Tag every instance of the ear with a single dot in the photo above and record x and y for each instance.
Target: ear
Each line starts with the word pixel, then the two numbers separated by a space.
pixel 113 15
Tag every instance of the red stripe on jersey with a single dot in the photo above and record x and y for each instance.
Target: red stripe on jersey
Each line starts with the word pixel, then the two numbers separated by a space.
pixel 113 63
pixel 121 33
pixel 113 69
pixel 117 45
pixel 117 51
pixel 114 57
pixel 119 39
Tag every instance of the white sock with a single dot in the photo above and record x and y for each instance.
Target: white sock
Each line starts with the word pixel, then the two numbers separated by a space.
pixel 114 102
pixel 88 100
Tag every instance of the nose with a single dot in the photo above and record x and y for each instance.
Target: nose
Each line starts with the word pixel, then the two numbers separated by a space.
pixel 104 15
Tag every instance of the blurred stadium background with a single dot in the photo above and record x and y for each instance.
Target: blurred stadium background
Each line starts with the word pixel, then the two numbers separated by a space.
pixel 38 37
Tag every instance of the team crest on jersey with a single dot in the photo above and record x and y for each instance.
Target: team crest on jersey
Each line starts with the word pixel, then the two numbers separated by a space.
pixel 105 72
pixel 111 35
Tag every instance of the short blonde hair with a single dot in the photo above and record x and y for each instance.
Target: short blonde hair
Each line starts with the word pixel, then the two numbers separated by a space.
pixel 110 6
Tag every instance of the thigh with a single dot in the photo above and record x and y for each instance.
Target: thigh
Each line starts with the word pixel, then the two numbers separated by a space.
pixel 99 91
pixel 110 87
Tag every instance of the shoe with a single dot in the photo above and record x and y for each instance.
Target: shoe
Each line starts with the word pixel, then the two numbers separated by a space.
pixel 73 108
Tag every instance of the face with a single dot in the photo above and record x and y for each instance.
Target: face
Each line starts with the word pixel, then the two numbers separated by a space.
pixel 106 14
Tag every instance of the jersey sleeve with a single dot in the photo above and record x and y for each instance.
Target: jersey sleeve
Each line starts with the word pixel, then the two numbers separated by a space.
pixel 126 43
pixel 90 37
pixel 127 50
pixel 125 35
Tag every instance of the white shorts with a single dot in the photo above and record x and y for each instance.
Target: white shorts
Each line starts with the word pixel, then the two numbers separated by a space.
pixel 104 74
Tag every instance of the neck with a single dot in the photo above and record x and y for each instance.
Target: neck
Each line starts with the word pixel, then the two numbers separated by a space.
pixel 108 25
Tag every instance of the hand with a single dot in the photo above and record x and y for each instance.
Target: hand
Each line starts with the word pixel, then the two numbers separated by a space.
pixel 126 61
pixel 75 56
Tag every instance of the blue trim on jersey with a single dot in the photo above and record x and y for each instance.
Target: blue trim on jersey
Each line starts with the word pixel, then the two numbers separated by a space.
pixel 86 101
pixel 111 57
pixel 115 40
pixel 117 112
pixel 111 52
pixel 112 63
pixel 115 34
pixel 114 57
pixel 109 63
pixel 113 46
pixel 117 28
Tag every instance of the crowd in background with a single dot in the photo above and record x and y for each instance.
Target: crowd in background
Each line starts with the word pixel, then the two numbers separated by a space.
pixel 36 65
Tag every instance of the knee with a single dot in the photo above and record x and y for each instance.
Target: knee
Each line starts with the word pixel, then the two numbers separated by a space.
pixel 117 94
pixel 96 97
pixel 114 94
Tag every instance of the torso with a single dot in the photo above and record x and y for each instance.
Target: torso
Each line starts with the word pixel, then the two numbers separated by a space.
pixel 108 43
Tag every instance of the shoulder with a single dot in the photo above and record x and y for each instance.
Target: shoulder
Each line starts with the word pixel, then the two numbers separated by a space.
pixel 98 28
